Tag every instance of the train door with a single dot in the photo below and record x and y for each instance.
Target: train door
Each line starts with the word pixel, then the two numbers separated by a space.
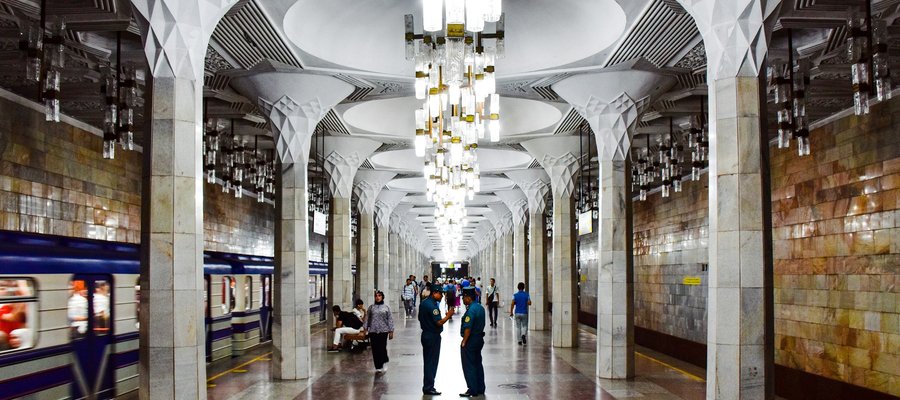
pixel 265 309
pixel 91 331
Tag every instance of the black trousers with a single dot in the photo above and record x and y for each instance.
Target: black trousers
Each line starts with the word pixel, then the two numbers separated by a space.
pixel 492 312
pixel 431 353
pixel 473 369
pixel 379 348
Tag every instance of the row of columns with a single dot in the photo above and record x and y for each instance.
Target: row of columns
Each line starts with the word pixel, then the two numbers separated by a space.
pixel 172 356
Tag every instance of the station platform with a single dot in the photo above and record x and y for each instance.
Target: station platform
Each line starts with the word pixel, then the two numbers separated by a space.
pixel 534 371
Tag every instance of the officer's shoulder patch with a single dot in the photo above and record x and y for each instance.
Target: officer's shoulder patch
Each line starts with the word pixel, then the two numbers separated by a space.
pixel 436 312
pixel 467 319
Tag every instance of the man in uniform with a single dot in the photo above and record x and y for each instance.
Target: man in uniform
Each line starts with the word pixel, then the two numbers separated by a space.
pixel 472 332
pixel 432 325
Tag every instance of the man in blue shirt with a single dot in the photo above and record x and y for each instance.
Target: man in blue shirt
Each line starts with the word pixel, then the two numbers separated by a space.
pixel 432 325
pixel 472 331
pixel 521 301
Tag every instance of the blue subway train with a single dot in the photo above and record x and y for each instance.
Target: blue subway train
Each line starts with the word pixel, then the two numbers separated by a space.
pixel 69 313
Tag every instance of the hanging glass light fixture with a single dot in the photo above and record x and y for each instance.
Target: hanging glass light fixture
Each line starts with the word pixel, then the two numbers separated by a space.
pixel 31 43
pixel 127 104
pixel 867 49
pixel 801 120
pixel 110 113
pixel 211 147
pixel 455 79
pixel 781 85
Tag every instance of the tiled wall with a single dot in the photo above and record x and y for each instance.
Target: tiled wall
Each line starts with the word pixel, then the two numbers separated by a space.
pixel 54 180
pixel 836 219
pixel 235 225
pixel 836 234
pixel 670 244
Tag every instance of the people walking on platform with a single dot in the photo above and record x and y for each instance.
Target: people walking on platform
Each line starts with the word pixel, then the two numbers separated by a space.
pixel 408 295
pixel 432 325
pixel 519 309
pixel 472 332
pixel 345 323
pixel 379 327
pixel 492 299
pixel 423 288
pixel 450 291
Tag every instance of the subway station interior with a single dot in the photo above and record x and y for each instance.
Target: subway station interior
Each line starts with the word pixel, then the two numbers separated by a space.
pixel 701 199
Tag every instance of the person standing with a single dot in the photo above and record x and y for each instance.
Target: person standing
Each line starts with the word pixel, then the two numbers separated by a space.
pixel 409 293
pixel 472 331
pixel 519 307
pixel 450 289
pixel 492 300
pixel 432 325
pixel 379 327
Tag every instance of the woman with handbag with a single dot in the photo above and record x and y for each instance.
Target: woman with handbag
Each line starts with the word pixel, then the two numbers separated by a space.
pixel 379 327
pixel 492 299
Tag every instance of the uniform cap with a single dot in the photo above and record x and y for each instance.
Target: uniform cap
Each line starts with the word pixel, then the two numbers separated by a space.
pixel 470 292
pixel 437 288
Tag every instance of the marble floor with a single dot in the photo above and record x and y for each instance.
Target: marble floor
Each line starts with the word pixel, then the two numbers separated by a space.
pixel 535 371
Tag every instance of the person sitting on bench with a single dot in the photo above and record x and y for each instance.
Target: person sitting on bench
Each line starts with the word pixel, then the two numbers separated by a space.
pixel 345 323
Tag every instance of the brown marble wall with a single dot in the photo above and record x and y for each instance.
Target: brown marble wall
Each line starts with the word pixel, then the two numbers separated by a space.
pixel 670 244
pixel 235 225
pixel 836 233
pixel 54 180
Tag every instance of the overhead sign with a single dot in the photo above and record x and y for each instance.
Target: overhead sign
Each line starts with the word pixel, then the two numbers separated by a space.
pixel 585 223
pixel 320 225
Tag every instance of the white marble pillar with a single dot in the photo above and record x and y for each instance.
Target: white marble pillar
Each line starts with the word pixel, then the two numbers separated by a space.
pixel 515 200
pixel 293 102
pixel 607 102
pixel 343 157
pixel 535 184
pixel 392 296
pixel 740 342
pixel 557 156
pixel 385 203
pixel 172 361
pixel 367 186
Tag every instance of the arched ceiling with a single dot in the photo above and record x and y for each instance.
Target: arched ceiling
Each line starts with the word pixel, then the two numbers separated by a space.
pixel 367 35
pixel 361 43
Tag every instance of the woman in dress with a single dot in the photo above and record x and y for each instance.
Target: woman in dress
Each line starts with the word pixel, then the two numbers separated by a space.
pixel 379 326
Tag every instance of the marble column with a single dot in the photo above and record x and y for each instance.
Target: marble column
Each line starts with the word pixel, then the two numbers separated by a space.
pixel 392 297
pixel 515 200
pixel 343 156
pixel 172 361
pixel 386 202
pixel 535 184
pixel 740 339
pixel 557 156
pixel 293 102
pixel 611 102
pixel 367 186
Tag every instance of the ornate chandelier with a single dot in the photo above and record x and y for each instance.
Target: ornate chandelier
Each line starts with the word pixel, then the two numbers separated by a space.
pixel 455 79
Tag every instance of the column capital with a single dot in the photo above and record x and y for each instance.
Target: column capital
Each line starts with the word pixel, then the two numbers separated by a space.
pixel 292 100
pixel 514 199
pixel 559 157
pixel 176 34
pixel 735 33
pixel 343 156
pixel 534 184
pixel 385 203
pixel 368 184
pixel 611 102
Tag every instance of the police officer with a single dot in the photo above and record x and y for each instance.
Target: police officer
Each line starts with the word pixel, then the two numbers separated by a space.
pixel 432 325
pixel 472 332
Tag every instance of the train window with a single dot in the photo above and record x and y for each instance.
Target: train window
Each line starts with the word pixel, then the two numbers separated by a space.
pixel 227 295
pixel 18 314
pixel 248 293
pixel 263 298
pixel 78 308
pixel 206 303
pixel 101 307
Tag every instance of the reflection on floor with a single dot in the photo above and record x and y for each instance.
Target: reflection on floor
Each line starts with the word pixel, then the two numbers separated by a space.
pixel 536 371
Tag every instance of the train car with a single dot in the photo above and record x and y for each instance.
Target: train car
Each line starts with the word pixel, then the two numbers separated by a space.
pixel 69 313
